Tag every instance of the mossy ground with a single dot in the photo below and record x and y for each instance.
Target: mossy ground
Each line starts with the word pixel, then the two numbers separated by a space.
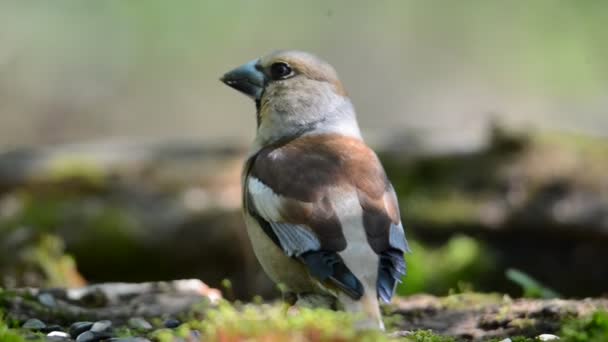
pixel 236 321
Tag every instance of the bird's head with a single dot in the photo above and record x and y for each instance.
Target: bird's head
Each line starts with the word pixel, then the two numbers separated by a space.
pixel 295 93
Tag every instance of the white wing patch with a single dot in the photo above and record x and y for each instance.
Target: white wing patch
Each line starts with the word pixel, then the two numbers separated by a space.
pixel 266 201
pixel 295 239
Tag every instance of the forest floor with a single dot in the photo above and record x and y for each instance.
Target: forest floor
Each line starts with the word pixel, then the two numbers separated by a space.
pixel 188 310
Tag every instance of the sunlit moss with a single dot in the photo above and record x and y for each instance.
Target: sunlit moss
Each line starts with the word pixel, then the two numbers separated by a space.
pixel 39 258
pixel 593 328
pixel 276 323
pixel 80 169
pixel 163 335
pixel 49 256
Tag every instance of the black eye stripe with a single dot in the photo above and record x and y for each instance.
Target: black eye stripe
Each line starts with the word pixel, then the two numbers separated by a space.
pixel 280 70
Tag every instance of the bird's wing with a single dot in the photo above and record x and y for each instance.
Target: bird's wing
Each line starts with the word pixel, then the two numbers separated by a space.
pixel 288 190
pixel 386 236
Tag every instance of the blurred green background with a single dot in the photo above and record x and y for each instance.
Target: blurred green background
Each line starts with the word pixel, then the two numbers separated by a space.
pixel 120 149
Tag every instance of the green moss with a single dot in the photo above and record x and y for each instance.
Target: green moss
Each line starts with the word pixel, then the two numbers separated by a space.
pixel 39 258
pixel 276 323
pixel 76 169
pixel 593 328
pixel 392 322
pixel 428 336
pixel 163 335
pixel 48 255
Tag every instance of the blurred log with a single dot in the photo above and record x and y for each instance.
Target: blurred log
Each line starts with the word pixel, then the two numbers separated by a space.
pixel 176 206
pixel 170 164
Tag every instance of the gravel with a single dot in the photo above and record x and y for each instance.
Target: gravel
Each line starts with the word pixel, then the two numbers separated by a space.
pixel 172 323
pixel 90 336
pixel 138 323
pixel 101 326
pixel 78 328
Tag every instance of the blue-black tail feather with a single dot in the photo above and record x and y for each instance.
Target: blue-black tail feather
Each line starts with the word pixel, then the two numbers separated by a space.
pixel 390 271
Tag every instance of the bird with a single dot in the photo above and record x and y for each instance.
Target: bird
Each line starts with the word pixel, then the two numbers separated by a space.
pixel 321 214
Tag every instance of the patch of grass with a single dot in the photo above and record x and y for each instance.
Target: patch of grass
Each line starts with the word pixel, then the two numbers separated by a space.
pixel 530 286
pixel 468 261
pixel 593 328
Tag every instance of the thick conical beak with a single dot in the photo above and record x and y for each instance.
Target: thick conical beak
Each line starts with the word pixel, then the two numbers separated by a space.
pixel 248 79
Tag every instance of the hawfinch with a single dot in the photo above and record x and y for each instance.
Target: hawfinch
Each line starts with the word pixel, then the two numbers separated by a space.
pixel 321 214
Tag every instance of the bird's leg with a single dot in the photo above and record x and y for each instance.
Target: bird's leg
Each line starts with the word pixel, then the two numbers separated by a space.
pixel 368 305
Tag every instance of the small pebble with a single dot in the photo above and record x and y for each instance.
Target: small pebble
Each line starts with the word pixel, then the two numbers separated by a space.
pixel 101 326
pixel 172 323
pixel 86 336
pixel 33 324
pixel 506 340
pixel 139 324
pixel 79 327
pixel 547 337
pixel 59 334
pixel 89 336
pixel 47 299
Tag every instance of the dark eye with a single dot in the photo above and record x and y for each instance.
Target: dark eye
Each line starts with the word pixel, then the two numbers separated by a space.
pixel 280 70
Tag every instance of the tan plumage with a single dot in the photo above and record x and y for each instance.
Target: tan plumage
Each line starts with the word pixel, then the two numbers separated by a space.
pixel 321 214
